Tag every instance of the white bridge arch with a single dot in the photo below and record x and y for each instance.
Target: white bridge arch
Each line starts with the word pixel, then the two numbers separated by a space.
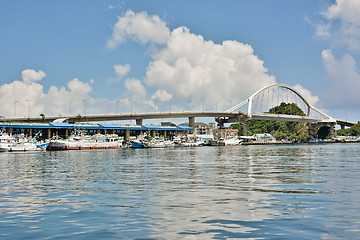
pixel 249 101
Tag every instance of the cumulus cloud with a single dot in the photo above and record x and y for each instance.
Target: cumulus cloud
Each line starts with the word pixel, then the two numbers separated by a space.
pixel 30 75
pixel 121 71
pixel 343 81
pixel 191 68
pixel 341 24
pixel 162 95
pixel 27 97
pixel 135 88
pixel 139 27
pixel 307 94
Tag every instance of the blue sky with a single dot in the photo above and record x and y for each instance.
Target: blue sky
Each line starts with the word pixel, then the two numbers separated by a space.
pixel 57 54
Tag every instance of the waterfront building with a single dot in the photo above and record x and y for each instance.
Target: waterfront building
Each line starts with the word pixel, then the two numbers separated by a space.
pixel 64 129
pixel 225 133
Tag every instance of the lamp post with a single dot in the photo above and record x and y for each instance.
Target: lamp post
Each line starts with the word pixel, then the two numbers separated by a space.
pixel 130 100
pixel 71 101
pixel 15 107
pixel 202 100
pixel 116 105
pixel 28 101
pixel 84 101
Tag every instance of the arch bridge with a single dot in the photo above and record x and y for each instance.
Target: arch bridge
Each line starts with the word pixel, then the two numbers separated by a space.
pixel 259 106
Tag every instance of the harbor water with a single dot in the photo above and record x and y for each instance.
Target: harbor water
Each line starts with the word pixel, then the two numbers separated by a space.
pixel 239 192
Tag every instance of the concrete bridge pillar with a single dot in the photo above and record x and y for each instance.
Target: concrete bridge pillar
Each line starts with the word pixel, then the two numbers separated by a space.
pixel 192 122
pixel 139 122
pixel 342 126
pixel 244 128
pixel 332 132
pixel 127 134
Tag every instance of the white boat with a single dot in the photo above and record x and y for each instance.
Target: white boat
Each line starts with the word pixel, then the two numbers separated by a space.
pixel 21 144
pixel 23 147
pixel 81 142
pixel 161 144
pixel 189 144
pixel 232 142
pixel 6 139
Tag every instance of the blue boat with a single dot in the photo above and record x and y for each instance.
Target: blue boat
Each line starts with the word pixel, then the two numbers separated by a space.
pixel 136 144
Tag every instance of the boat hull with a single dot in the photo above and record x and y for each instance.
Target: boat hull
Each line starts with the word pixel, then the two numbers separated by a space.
pixel 79 145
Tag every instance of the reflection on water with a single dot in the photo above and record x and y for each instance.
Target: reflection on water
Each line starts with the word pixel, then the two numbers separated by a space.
pixel 254 192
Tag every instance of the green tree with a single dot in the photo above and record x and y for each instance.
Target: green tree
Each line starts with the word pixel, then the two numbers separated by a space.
pixel 42 117
pixel 279 129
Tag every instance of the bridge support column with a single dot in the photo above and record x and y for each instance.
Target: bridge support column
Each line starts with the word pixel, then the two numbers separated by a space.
pixel 342 126
pixel 192 122
pixel 139 122
pixel 127 134
pixel 332 133
pixel 244 128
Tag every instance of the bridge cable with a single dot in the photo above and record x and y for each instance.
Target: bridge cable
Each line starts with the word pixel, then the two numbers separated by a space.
pixel 262 100
pixel 257 98
pixel 267 100
pixel 272 102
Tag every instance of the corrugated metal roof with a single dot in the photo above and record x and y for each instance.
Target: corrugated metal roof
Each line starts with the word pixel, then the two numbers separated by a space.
pixel 186 128
pixel 111 126
pixel 61 125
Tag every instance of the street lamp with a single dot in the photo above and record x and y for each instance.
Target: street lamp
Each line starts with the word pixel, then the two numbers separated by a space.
pixel 71 101
pixel 28 101
pixel 202 100
pixel 116 104
pixel 15 102
pixel 130 100
pixel 84 101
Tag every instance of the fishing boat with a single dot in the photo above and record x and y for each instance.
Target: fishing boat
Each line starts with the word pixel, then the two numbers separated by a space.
pixel 161 144
pixel 190 144
pixel 85 142
pixel 232 141
pixel 5 138
pixel 139 144
pixel 21 144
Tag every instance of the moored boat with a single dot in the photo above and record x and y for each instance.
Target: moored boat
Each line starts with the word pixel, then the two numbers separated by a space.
pixel 81 142
pixel 21 144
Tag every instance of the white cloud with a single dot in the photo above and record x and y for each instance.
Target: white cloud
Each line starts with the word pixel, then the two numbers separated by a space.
pixel 341 24
pixel 20 98
pixel 135 88
pixel 191 68
pixel 343 82
pixel 139 27
pixel 162 95
pixel 306 94
pixel 30 75
pixel 27 97
pixel 121 71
